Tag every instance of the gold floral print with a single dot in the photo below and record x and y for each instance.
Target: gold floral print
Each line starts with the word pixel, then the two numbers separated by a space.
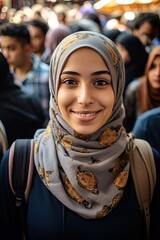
pixel 112 53
pixel 116 200
pixel 58 133
pixel 119 165
pixel 95 160
pixel 68 42
pixel 82 136
pixel 47 133
pixel 123 131
pixel 67 142
pixel 45 175
pixel 108 137
pixel 73 39
pixel 121 180
pixel 105 210
pixel 36 145
pixel 87 180
pixel 53 112
pixel 84 150
pixel 73 193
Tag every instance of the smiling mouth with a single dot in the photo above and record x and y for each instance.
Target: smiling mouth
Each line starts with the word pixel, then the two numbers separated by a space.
pixel 85 114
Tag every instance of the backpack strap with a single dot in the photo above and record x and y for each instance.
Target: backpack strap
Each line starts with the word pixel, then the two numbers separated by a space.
pixel 144 176
pixel 3 138
pixel 21 167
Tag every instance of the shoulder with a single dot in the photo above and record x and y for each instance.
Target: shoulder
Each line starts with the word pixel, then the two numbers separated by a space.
pixel 39 65
pixel 43 66
pixel 150 115
pixel 133 86
pixel 148 121
pixel 156 155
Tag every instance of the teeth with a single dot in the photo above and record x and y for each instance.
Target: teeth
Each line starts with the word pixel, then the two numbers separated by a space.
pixel 85 114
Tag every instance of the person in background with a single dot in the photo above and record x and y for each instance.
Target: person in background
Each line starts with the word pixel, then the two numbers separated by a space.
pixel 82 184
pixel 147 127
pixel 38 30
pixel 112 34
pixel 146 27
pixel 56 36
pixel 143 93
pixel 95 17
pixel 21 112
pixel 29 72
pixel 134 56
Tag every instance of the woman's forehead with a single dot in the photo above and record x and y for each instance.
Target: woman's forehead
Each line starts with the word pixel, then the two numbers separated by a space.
pixel 104 46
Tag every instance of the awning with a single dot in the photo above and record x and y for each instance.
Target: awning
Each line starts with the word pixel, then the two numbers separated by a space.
pixel 111 6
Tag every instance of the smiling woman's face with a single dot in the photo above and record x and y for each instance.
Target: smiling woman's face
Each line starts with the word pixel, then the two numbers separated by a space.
pixel 154 73
pixel 85 95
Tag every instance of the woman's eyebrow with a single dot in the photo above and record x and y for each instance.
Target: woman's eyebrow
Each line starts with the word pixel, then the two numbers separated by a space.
pixel 70 72
pixel 93 74
pixel 101 72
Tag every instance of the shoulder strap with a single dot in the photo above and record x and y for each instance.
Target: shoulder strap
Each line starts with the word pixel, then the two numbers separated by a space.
pixel 20 176
pixel 144 176
pixel 3 138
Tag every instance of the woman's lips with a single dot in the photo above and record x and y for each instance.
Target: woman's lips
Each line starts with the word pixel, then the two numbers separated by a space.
pixel 86 116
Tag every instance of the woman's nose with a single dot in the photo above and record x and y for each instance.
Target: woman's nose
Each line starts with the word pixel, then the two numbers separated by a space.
pixel 85 95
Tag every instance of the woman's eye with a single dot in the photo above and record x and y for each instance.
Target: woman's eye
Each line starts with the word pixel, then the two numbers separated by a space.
pixel 101 83
pixel 69 81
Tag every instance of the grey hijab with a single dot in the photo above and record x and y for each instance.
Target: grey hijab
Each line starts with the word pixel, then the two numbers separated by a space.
pixel 87 173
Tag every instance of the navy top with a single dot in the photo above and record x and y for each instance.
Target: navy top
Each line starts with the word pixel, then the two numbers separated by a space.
pixel 49 219
pixel 147 127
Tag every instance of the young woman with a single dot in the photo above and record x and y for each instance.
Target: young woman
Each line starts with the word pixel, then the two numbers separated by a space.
pixel 134 56
pixel 143 94
pixel 82 186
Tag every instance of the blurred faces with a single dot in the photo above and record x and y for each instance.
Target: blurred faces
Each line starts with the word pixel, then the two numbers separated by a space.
pixel 14 51
pixel 145 33
pixel 154 73
pixel 124 53
pixel 37 40
pixel 85 96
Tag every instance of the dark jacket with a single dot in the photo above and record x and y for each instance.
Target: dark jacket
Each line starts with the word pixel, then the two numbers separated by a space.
pixel 147 127
pixel 49 219
pixel 20 112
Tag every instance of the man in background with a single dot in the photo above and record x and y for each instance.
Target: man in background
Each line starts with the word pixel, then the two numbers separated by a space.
pixel 28 70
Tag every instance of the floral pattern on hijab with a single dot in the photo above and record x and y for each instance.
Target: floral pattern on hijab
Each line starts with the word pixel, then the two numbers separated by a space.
pixel 87 173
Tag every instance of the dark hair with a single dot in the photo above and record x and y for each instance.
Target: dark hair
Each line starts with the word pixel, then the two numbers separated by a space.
pixel 39 24
pixel 94 17
pixel 148 17
pixel 18 31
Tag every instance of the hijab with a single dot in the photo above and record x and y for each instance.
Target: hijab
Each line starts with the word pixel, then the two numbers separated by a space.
pixel 112 34
pixel 87 173
pixel 55 36
pixel 149 97
pixel 138 55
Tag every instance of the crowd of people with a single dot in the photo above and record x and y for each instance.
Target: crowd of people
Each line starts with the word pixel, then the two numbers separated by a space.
pixel 79 90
